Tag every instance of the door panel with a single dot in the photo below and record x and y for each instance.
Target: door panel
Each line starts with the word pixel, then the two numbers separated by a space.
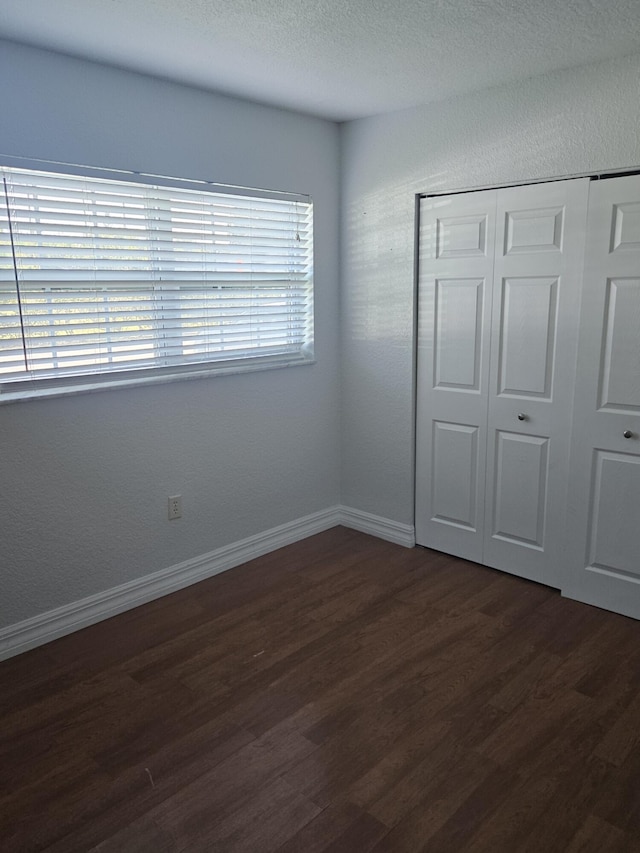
pixel 520 489
pixel 537 282
pixel 455 473
pixel 457 236
pixel 527 336
pixel 615 533
pixel 604 509
pixel 461 236
pixel 620 382
pixel 626 226
pixel 538 229
pixel 458 333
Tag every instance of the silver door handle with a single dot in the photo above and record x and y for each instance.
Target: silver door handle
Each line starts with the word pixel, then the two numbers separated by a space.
pixel 627 433
pixel 522 416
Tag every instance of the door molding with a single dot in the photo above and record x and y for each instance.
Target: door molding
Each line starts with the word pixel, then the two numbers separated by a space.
pixel 622 172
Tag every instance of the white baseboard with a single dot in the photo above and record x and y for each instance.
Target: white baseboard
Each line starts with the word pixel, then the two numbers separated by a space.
pixel 71 617
pixel 376 525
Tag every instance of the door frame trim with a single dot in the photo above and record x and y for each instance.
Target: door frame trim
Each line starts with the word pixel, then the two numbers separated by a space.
pixel 622 172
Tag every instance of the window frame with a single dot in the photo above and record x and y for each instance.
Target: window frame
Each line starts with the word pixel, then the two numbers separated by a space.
pixel 34 387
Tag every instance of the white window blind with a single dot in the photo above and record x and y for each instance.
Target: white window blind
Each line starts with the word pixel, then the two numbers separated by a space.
pixel 100 276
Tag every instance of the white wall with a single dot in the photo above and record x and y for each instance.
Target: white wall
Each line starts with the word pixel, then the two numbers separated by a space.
pixel 582 120
pixel 84 480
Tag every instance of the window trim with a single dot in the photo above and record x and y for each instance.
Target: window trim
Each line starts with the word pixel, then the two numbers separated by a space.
pixel 138 381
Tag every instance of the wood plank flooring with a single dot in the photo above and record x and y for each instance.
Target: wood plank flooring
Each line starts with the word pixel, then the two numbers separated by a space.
pixel 341 694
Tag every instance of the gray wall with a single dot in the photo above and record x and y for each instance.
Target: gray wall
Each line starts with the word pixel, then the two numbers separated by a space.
pixel 583 120
pixel 84 480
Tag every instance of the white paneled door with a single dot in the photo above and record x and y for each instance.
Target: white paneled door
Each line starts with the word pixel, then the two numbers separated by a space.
pixel 536 303
pixel 456 248
pixel 499 291
pixel 604 516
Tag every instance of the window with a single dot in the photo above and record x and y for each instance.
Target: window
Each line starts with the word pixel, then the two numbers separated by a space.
pixel 105 280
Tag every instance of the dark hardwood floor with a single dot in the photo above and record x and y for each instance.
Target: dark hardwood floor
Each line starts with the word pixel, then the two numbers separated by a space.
pixel 341 694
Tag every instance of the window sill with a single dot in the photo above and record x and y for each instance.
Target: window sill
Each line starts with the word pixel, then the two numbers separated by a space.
pixel 41 392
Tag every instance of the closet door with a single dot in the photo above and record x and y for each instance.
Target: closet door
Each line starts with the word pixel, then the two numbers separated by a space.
pixel 536 300
pixel 604 531
pixel 455 272
pixel 499 292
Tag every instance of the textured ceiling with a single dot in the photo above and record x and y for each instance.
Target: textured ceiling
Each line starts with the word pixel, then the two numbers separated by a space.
pixel 339 59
